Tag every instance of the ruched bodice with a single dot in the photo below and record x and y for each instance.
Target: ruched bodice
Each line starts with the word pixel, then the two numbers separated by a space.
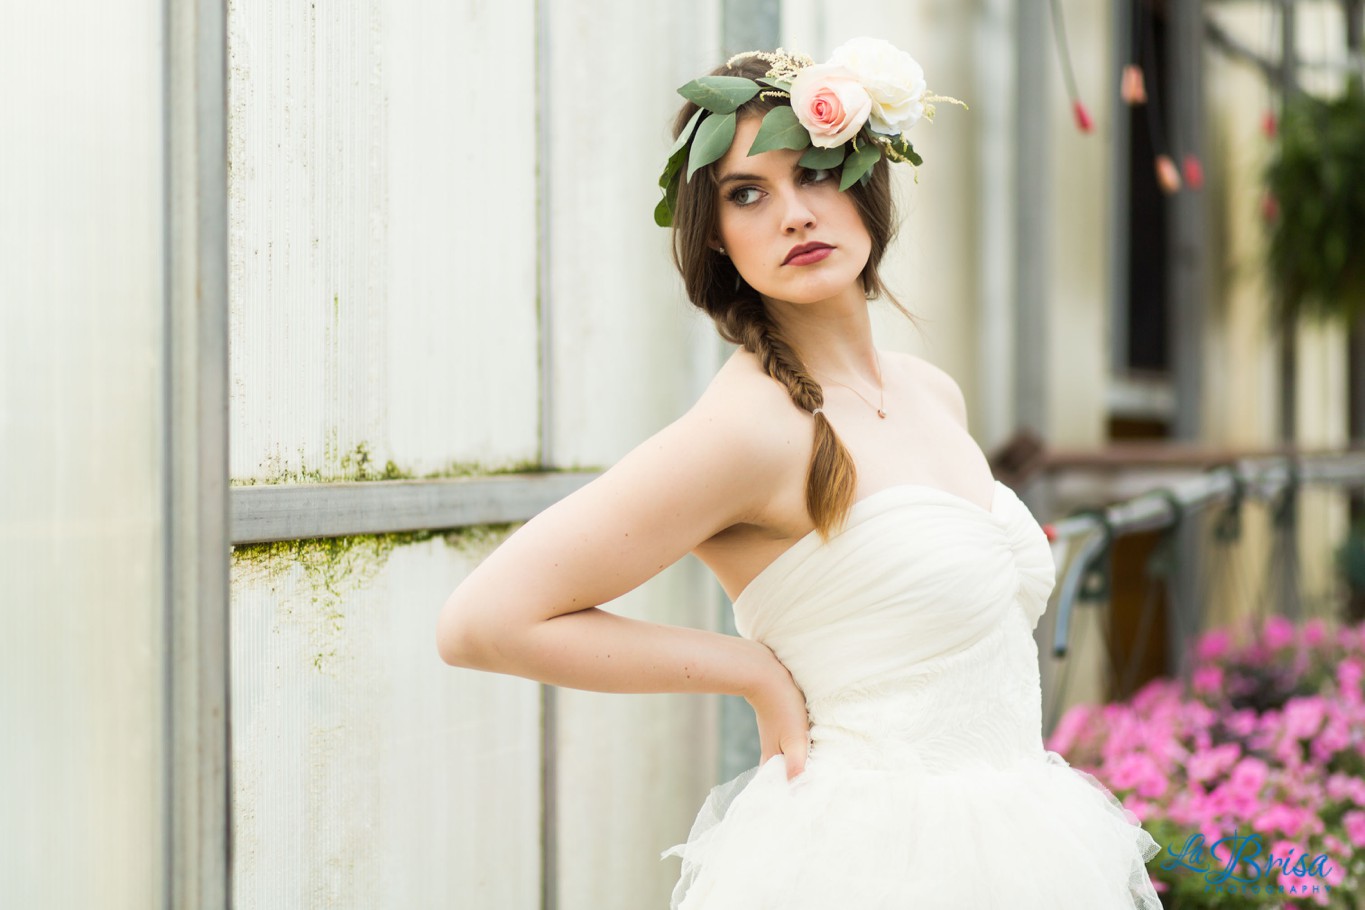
pixel 910 632
pixel 887 631
pixel 883 596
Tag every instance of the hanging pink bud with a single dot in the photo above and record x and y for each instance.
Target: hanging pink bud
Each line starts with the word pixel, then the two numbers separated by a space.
pixel 1269 124
pixel 1193 170
pixel 1083 120
pixel 1270 207
pixel 1132 88
pixel 1167 175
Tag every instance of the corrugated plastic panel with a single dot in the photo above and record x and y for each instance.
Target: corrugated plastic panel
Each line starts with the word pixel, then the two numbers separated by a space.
pixel 382 205
pixel 82 660
pixel 630 355
pixel 366 772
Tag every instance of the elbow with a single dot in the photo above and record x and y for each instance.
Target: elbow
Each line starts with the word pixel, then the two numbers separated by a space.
pixel 456 642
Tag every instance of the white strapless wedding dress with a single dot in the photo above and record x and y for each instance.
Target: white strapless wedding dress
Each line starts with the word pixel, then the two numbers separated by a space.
pixel 927 785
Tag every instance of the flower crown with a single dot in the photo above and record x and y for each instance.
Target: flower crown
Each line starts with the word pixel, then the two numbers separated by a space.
pixel 848 111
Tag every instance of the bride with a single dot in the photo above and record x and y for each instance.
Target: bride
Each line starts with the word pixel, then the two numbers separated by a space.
pixel 800 478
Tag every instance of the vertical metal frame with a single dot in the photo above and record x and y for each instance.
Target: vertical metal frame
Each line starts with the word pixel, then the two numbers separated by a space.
pixel 549 715
pixel 1033 219
pixel 1120 208
pixel 198 839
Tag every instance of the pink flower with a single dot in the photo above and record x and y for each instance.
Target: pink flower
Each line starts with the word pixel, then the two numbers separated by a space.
pixel 1069 729
pixel 1277 633
pixel 830 103
pixel 1249 776
pixel 1241 723
pixel 1302 717
pixel 1212 644
pixel 1314 632
pixel 1335 737
pixel 1354 823
pixel 1349 674
pixel 1208 679
pixel 1206 765
pixel 1279 817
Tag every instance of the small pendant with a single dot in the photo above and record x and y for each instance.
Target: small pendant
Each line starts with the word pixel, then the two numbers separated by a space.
pixel 881 413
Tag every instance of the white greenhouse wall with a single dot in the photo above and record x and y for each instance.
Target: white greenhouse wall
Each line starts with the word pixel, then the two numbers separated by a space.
pixel 366 772
pixel 82 533
pixel 383 249
pixel 387 226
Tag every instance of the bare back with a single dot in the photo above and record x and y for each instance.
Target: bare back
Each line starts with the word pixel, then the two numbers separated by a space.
pixel 922 440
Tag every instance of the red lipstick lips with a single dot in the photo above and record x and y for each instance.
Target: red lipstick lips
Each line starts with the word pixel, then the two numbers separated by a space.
pixel 807 253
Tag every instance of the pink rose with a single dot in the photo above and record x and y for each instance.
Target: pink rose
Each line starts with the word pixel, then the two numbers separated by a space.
pixel 830 103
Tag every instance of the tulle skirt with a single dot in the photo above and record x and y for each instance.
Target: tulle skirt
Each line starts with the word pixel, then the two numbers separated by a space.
pixel 1034 835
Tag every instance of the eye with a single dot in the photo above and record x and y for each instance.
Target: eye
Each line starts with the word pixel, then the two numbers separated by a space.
pixel 744 195
pixel 818 174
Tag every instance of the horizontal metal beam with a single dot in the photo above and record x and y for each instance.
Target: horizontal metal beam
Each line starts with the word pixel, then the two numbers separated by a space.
pixel 271 512
pixel 1263 478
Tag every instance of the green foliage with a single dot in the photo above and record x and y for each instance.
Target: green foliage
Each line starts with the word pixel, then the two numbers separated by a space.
pixel 713 137
pixel 719 94
pixel 860 163
pixel 1317 178
pixel 817 157
pixel 780 130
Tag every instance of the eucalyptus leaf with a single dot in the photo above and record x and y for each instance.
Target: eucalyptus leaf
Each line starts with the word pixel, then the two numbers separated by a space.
pixel 780 130
pixel 817 158
pixel 686 133
pixel 859 163
pixel 719 94
pixel 713 138
pixel 901 146
pixel 777 84
pixel 675 163
pixel 663 213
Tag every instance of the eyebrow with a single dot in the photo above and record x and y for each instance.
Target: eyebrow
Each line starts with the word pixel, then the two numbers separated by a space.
pixel 731 177
pixel 728 178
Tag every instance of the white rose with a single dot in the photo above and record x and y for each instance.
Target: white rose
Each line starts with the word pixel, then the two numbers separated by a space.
pixel 894 82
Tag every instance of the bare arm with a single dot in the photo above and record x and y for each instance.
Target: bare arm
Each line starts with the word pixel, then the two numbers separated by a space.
pixel 532 607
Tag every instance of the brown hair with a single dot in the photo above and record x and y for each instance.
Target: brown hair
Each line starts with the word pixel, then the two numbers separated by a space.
pixel 715 286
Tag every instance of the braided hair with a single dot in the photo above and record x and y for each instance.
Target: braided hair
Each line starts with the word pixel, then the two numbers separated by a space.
pixel 715 286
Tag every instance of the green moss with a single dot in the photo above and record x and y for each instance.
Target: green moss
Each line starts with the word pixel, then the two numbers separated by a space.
pixel 334 568
pixel 358 465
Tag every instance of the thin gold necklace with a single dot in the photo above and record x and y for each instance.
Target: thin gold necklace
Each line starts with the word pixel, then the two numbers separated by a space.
pixel 881 387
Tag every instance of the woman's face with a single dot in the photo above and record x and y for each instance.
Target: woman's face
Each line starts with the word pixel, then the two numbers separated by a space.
pixel 788 230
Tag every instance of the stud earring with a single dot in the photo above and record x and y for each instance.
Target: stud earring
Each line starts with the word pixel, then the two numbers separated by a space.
pixel 721 250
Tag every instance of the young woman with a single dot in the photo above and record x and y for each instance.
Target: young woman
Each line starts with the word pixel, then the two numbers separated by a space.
pixel 885 586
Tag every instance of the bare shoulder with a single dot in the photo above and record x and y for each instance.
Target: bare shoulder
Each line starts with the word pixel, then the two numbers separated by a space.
pixel 714 468
pixel 936 379
pixel 770 434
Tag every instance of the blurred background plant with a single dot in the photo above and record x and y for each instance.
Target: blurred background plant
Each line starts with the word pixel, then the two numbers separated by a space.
pixel 1316 180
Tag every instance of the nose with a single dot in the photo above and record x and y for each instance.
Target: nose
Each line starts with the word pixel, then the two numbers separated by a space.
pixel 797 216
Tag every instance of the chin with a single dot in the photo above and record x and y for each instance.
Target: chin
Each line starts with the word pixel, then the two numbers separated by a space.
pixel 813 288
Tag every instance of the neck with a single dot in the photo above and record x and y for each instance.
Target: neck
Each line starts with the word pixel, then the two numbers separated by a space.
pixel 833 337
